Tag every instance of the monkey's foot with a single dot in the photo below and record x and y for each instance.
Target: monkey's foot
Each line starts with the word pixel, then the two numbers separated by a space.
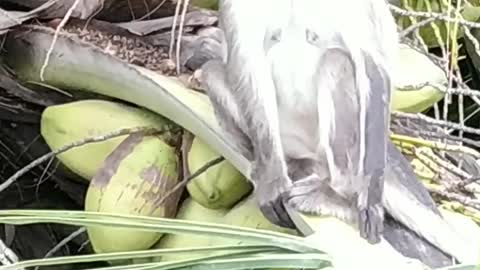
pixel 371 212
pixel 270 194
pixel 302 195
pixel 370 222
pixel 313 195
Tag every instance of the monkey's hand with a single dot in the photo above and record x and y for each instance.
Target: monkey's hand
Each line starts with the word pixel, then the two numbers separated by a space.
pixel 370 222
pixel 271 187
pixel 371 211
pixel 375 138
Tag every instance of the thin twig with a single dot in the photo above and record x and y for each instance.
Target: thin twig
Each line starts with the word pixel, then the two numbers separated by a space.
pixel 185 181
pixel 415 27
pixel 55 37
pixel 442 88
pixel 90 18
pixel 179 36
pixel 117 133
pixel 456 197
pixel 433 135
pixel 436 122
pixel 7 256
pixel 42 178
pixel 130 8
pixel 63 243
pixel 428 152
pixel 152 11
pixel 174 27
pixel 435 15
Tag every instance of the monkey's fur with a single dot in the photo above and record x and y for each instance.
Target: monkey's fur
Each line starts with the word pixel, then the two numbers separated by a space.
pixel 327 77
pixel 316 108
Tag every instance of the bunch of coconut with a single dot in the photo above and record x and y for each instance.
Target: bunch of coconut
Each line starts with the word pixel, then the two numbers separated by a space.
pixel 136 174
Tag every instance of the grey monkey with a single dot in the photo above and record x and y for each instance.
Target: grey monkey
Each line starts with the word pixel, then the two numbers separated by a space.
pixel 339 73
pixel 268 82
pixel 413 224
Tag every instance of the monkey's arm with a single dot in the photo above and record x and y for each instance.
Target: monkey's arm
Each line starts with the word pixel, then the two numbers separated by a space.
pixel 249 76
pixel 375 131
pixel 228 115
pixel 224 106
pixel 353 130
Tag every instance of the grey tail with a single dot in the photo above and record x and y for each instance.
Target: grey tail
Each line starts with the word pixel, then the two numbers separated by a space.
pixel 409 211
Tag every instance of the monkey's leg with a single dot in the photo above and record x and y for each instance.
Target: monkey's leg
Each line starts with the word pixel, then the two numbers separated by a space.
pixel 248 72
pixel 224 106
pixel 269 170
pixel 311 191
pixel 268 175
pixel 376 117
pixel 341 101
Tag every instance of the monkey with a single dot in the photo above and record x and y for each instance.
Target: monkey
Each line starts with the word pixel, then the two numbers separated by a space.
pixel 267 89
pixel 252 88
pixel 414 226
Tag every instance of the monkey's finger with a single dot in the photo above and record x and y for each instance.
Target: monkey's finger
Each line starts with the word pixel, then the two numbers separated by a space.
pixel 370 224
pixel 269 213
pixel 378 230
pixel 376 223
pixel 282 213
pixel 274 214
pixel 362 223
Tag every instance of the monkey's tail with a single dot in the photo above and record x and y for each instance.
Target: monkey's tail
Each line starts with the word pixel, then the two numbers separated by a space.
pixel 426 223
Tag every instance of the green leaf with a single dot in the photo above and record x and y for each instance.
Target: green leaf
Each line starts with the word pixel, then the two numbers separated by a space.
pixel 163 225
pixel 260 242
